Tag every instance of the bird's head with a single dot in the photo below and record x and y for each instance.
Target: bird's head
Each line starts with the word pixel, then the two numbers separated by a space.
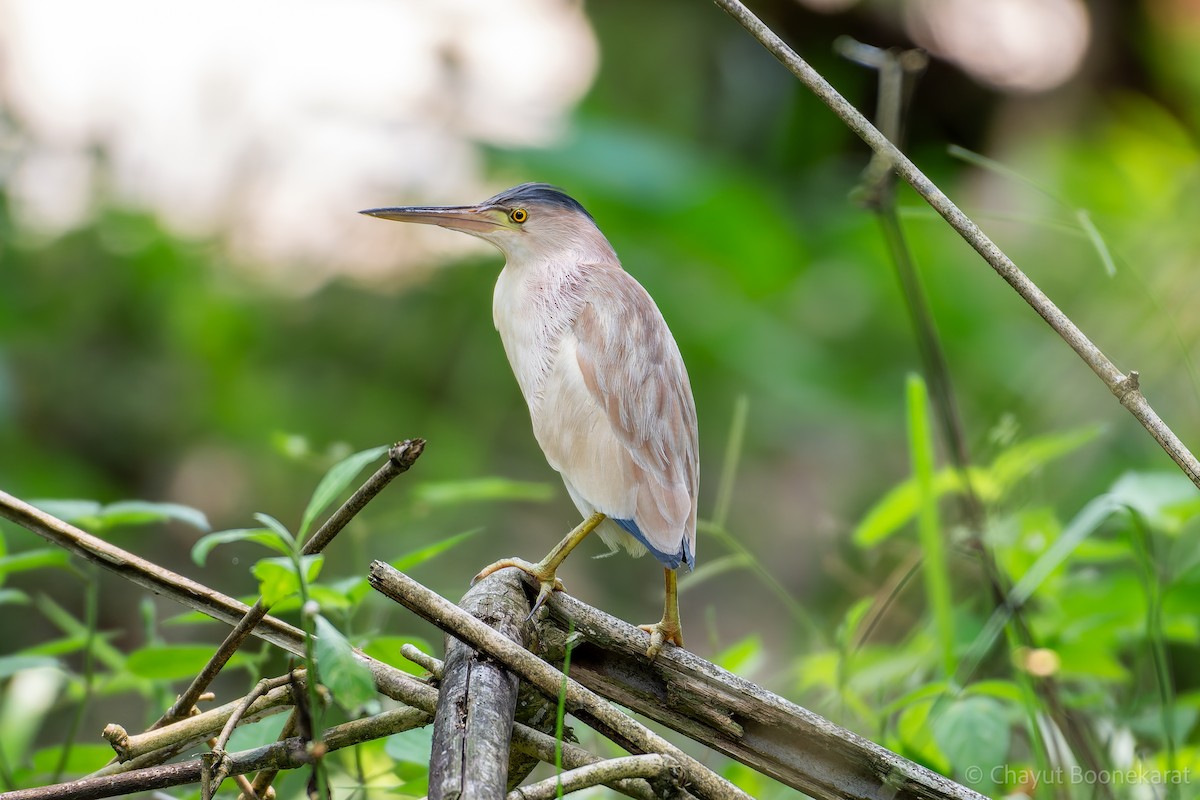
pixel 528 221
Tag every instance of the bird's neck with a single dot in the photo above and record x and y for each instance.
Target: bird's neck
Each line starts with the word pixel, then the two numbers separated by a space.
pixel 535 306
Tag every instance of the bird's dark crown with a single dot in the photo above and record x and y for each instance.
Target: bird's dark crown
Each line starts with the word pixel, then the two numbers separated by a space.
pixel 533 194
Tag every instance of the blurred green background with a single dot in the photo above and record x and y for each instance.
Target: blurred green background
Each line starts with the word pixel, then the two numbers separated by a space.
pixel 145 358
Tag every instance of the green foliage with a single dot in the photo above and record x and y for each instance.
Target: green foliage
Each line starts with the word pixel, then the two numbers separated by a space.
pixel 344 675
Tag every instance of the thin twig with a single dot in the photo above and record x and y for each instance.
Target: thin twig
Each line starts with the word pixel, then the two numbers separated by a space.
pixel 218 745
pixel 1124 387
pixel 544 747
pixel 144 573
pixel 427 662
pixel 652 766
pixel 583 703
pixel 196 728
pixel 265 777
pixel 286 754
pixel 401 457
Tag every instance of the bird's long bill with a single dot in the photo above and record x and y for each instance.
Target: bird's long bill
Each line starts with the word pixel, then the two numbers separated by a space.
pixel 468 219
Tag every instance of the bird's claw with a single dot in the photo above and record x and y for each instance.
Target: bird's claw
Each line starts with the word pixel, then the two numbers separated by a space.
pixel 662 632
pixel 544 576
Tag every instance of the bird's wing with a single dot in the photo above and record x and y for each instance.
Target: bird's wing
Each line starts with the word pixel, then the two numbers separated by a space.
pixel 632 369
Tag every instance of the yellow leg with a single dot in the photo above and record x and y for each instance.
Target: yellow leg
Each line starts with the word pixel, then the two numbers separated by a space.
pixel 544 570
pixel 668 628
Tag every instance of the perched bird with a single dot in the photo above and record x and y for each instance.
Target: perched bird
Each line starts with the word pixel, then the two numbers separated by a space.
pixel 607 390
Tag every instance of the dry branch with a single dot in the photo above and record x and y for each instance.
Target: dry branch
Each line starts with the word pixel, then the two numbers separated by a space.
pixel 287 754
pixel 692 696
pixel 654 766
pixel 1124 387
pixel 477 699
pixel 581 702
pixel 401 457
pixel 146 574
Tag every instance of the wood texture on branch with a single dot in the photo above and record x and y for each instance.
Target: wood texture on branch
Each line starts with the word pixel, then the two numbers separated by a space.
pixel 1126 388
pixel 695 697
pixel 581 702
pixel 287 754
pixel 477 699
pixel 730 714
pixel 147 574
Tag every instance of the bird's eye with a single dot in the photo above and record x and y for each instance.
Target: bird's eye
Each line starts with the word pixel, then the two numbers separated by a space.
pixel 518 215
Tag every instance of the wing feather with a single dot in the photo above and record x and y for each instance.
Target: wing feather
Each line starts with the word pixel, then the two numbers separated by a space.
pixel 632 368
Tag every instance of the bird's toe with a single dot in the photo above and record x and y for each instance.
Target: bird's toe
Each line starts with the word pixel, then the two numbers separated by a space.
pixel 661 633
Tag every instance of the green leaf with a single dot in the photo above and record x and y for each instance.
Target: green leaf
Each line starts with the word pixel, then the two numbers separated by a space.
pixel 277 577
pixel 140 512
pixel 449 493
pixel 1165 500
pixel 927 693
pixel 937 576
pixel 899 505
pixel 172 661
pixel 83 758
pixel 326 597
pixel 11 665
pixel 33 559
pixel 1023 458
pixel 742 658
pixel 998 689
pixel 387 650
pixel 267 538
pixel 65 645
pixel 93 516
pixel 918 743
pixel 68 510
pixel 279 528
pixel 411 747
pixel 13 597
pixel 348 678
pixel 409 560
pixel 974 733
pixel 335 482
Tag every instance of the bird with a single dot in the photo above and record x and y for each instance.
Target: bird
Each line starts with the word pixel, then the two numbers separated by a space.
pixel 608 393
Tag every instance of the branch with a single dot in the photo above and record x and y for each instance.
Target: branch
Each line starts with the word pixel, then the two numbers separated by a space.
pixel 147 574
pixel 197 728
pixel 744 721
pixel 653 766
pixel 285 754
pixel 477 699
pixel 696 698
pixel 401 457
pixel 580 701
pixel 1124 387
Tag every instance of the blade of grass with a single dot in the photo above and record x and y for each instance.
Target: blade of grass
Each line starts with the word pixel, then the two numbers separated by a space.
pixel 1151 581
pixel 937 576
pixel 733 455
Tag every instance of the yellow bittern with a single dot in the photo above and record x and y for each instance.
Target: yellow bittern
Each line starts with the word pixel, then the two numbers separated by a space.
pixel 607 390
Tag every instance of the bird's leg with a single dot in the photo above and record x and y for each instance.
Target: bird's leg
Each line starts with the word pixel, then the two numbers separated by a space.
pixel 668 628
pixel 544 570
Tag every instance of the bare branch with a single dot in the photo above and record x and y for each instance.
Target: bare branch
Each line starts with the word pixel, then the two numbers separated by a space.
pixel 1124 387
pixel 477 699
pixel 728 713
pixel 581 702
pixel 401 457
pixel 193 730
pixel 147 574
pixel 286 754
pixel 653 765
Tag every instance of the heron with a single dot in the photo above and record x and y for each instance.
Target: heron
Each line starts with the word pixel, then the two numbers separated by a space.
pixel 607 389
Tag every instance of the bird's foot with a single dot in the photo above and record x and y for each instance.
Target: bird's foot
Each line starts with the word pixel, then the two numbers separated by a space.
pixel 662 632
pixel 542 573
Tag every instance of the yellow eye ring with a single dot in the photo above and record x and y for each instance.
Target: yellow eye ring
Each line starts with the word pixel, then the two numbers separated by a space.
pixel 518 215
